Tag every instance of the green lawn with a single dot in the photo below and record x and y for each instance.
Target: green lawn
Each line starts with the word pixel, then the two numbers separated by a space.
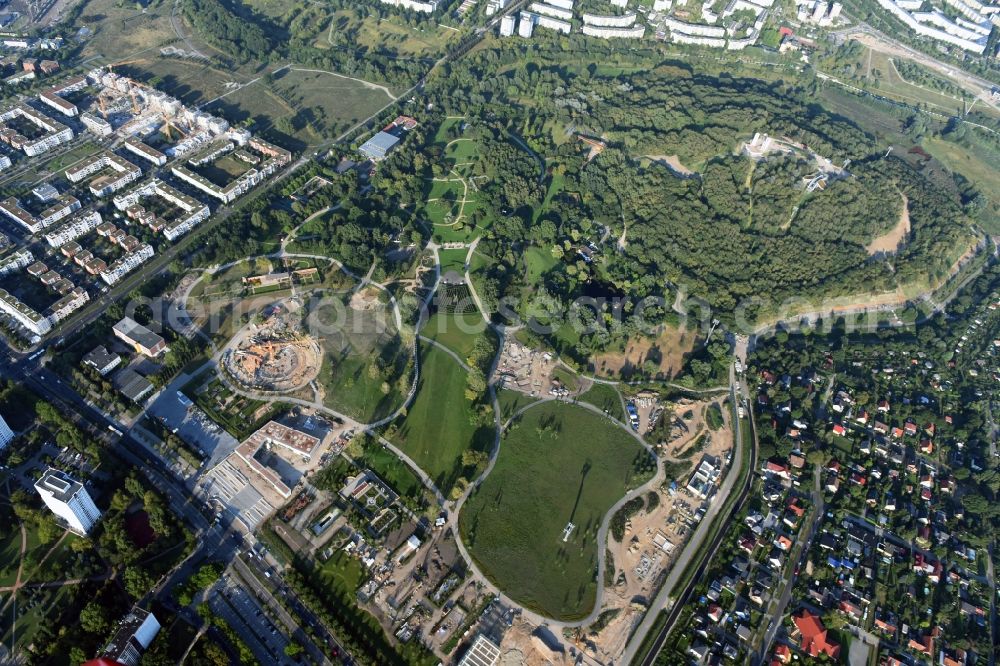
pixel 437 428
pixel 973 162
pixel 453 260
pixel 458 332
pixel 559 464
pixel 539 261
pixel 365 361
pixel 511 401
pixel 342 573
pixel 392 470
pixel 605 398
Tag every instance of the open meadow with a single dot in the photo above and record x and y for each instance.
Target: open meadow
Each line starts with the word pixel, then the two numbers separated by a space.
pixel 438 427
pixel 558 465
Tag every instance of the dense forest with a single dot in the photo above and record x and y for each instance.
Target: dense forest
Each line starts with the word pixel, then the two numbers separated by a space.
pixel 737 228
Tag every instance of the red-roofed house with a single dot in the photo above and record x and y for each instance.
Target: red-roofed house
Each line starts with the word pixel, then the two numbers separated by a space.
pixel 812 635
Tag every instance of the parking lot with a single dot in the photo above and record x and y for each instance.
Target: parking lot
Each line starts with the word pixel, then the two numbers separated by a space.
pixel 238 607
pixel 191 424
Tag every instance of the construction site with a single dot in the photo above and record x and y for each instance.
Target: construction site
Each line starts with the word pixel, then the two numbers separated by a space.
pixel 275 356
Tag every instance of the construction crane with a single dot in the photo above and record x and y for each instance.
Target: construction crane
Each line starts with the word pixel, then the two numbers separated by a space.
pixel 136 109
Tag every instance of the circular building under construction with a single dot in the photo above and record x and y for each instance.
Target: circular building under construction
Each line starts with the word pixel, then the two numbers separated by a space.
pixel 273 358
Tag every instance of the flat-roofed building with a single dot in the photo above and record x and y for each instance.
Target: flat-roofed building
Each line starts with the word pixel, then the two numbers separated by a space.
pixel 379 146
pixel 133 637
pixel 101 360
pixel 140 338
pixel 482 652
pixel 145 151
pixel 6 434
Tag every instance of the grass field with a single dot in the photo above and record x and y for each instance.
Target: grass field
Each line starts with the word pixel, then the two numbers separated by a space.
pixel 457 332
pixel 390 34
pixel 392 470
pixel 438 428
pixel 316 105
pixel 559 464
pixel 453 260
pixel 511 401
pixel 892 84
pixel 364 363
pixel 605 398
pixel 975 165
pixel 539 261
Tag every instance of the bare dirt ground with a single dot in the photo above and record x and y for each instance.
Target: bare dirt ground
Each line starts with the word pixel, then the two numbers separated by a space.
pixel 522 645
pixel 653 538
pixel 673 162
pixel 667 351
pixel 891 240
pixel 365 299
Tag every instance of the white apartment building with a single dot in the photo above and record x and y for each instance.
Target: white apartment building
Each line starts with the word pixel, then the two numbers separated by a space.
pixel 78 226
pixel 553 24
pixel 550 10
pixel 68 304
pixel 507 25
pixel 124 173
pixel 427 6
pixel 146 152
pixel 126 264
pixel 495 6
pixel 900 11
pixel 623 21
pixel 22 258
pixel 68 499
pixel 6 434
pixel 96 124
pixel 610 32
pixel 526 26
pixel 29 319
pixel 55 132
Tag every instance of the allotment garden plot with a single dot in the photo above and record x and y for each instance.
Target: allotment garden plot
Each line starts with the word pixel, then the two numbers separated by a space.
pixel 532 525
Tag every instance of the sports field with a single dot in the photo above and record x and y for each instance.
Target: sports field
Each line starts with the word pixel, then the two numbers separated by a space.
pixel 559 464
pixel 438 427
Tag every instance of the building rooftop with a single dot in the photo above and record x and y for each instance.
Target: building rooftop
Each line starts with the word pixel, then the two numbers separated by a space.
pixel 135 633
pixel 483 652
pixel 380 144
pixel 274 433
pixel 136 332
pixel 99 357
pixel 60 484
pixel 132 385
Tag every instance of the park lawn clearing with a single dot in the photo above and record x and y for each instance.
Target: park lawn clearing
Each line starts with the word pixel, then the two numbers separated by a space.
pixel 365 362
pixel 453 260
pixel 457 331
pixel 438 428
pixel 539 261
pixel 388 467
pixel 973 163
pixel 558 464
pixel 511 401
pixel 605 397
